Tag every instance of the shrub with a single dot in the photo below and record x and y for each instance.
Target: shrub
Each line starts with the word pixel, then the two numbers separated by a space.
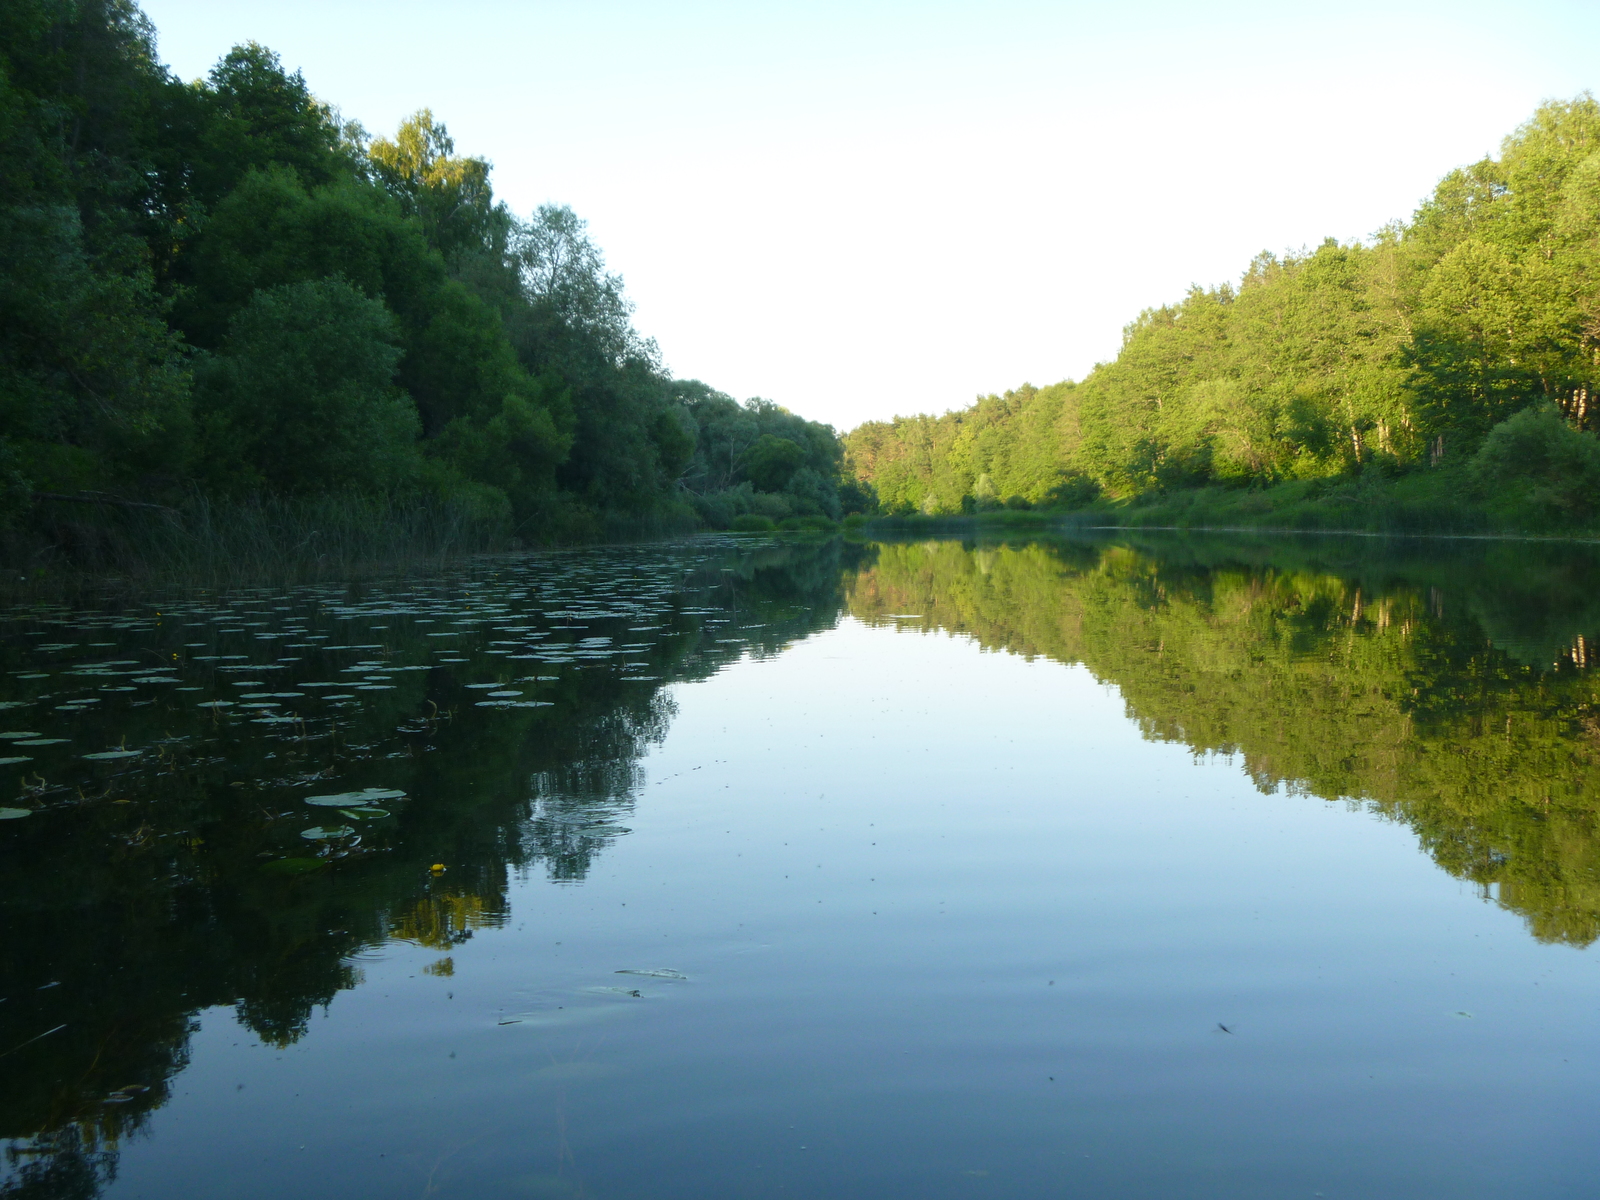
pixel 752 523
pixel 1539 464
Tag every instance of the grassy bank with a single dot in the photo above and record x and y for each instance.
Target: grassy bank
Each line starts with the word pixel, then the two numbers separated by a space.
pixel 1441 503
pixel 66 544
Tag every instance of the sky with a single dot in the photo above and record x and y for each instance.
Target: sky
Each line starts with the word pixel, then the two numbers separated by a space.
pixel 867 209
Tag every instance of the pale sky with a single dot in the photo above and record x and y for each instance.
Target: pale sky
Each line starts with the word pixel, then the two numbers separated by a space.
pixel 862 209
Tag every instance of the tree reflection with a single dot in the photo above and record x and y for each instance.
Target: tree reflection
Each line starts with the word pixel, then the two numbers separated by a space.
pixel 133 904
pixel 1421 680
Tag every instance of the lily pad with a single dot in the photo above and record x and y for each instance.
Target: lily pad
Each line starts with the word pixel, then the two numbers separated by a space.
pixel 14 759
pixel 322 833
pixel 364 814
pixel 505 695
pixel 18 734
pixel 215 704
pixel 39 742
pixel 361 799
pixel 110 754
pixel 658 973
pixel 14 814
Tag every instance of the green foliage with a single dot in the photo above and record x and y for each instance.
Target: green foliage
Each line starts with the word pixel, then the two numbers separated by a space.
pixel 771 462
pixel 1016 445
pixel 758 457
pixel 224 286
pixel 752 523
pixel 302 398
pixel 1537 461
pixel 1398 355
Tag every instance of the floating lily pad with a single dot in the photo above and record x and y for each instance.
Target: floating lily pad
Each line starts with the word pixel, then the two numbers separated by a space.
pixel 361 799
pixel 515 703
pixel 104 755
pixel 14 814
pixel 17 733
pixel 658 973
pixel 505 695
pixel 39 742
pixel 14 759
pixel 364 814
pixel 215 704
pixel 156 679
pixel 323 833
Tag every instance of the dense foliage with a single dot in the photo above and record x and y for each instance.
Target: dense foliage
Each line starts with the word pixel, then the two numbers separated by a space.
pixel 1391 356
pixel 223 289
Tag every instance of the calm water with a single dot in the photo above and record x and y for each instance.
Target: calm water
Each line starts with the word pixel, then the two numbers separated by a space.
pixel 1189 868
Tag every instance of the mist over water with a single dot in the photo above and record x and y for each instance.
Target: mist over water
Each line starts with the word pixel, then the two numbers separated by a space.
pixel 1095 866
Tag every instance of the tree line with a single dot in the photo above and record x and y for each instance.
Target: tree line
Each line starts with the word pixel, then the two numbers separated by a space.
pixel 1465 341
pixel 227 289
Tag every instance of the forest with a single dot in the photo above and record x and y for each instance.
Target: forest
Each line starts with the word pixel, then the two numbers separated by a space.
pixel 1439 374
pixel 223 294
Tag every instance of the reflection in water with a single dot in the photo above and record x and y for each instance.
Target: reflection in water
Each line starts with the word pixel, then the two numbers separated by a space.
pixel 509 704
pixel 1448 687
pixel 504 711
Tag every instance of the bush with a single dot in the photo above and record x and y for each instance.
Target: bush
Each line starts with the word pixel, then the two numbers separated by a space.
pixel 752 523
pixel 1536 463
pixel 807 523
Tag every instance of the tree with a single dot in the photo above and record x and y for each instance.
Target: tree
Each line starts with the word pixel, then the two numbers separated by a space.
pixel 302 398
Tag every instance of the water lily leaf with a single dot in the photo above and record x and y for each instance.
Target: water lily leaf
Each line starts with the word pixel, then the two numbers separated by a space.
pixel 322 833
pixel 15 814
pixel 658 973
pixel 14 759
pixel 361 799
pixel 104 755
pixel 39 742
pixel 15 733
pixel 215 704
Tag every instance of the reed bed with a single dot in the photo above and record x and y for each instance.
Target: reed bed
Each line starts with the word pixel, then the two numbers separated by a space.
pixel 206 543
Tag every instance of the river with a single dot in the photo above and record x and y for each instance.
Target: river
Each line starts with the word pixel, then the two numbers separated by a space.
pixel 1099 866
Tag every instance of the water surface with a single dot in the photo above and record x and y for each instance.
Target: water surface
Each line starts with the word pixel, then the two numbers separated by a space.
pixel 1087 867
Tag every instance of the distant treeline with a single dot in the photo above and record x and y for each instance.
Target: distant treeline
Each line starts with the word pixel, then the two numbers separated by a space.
pixel 1465 343
pixel 225 290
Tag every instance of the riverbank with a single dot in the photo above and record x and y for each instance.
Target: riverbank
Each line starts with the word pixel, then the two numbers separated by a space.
pixel 1437 503
pixel 67 543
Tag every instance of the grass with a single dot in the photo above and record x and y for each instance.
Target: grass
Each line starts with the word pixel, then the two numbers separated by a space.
pixel 1437 503
pixel 206 543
